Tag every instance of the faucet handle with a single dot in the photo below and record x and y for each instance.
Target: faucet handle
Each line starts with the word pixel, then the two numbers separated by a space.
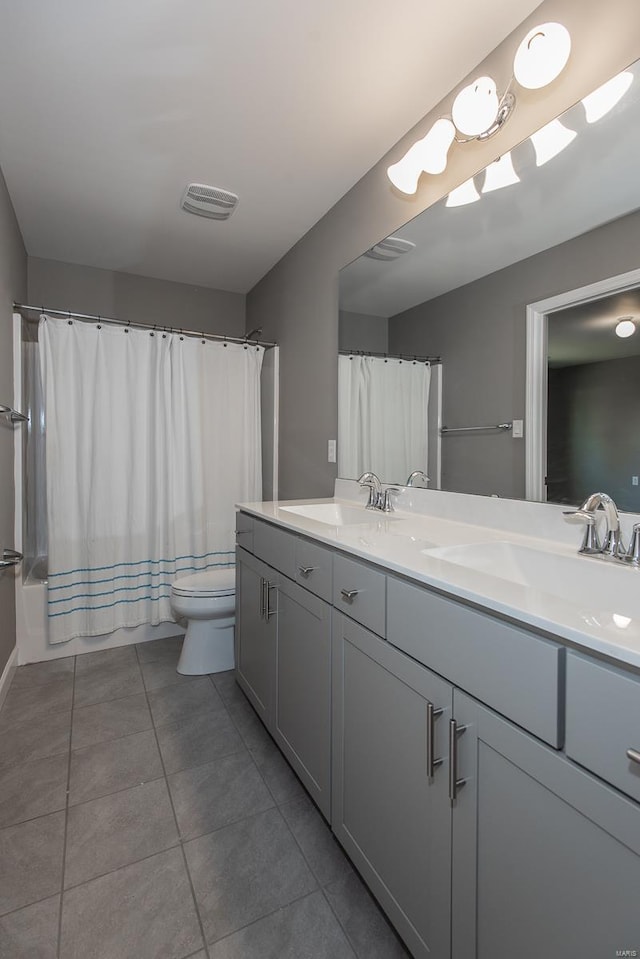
pixel 587 518
pixel 633 553
pixel 387 505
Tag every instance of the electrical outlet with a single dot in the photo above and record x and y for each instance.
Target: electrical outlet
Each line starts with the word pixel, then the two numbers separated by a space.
pixel 634 480
pixel 518 429
pixel 331 451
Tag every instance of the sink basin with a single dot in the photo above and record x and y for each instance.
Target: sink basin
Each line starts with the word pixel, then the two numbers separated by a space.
pixel 589 583
pixel 335 514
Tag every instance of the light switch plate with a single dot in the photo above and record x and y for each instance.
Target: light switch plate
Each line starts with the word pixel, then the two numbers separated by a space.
pixel 518 429
pixel 331 451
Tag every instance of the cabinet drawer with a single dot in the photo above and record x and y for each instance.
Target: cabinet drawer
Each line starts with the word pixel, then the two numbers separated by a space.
pixel 603 721
pixel 515 672
pixel 275 546
pixel 244 531
pixel 360 592
pixel 313 568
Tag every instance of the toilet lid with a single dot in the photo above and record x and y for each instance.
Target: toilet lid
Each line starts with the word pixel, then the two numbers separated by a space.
pixel 214 582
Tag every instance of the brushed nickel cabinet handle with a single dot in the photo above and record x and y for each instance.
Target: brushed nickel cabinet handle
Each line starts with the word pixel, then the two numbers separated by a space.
pixel 268 611
pixel 349 594
pixel 633 755
pixel 432 762
pixel 454 783
pixel 305 570
pixel 263 605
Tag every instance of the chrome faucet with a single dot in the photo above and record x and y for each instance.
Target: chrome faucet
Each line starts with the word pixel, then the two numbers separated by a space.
pixel 417 474
pixel 587 514
pixel 374 485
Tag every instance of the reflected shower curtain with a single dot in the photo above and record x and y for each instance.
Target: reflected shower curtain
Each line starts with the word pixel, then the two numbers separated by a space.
pixel 151 439
pixel 382 416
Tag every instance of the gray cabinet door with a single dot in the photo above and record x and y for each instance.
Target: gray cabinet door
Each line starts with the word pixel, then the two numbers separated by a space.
pixel 393 819
pixel 546 858
pixel 303 688
pixel 255 634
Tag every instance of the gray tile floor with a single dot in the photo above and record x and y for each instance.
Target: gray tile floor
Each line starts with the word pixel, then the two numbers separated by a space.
pixel 146 815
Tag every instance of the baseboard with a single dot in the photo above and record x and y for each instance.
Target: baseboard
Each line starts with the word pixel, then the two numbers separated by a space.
pixel 7 674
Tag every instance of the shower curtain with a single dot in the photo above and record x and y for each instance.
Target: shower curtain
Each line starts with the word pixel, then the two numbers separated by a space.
pixel 382 416
pixel 151 439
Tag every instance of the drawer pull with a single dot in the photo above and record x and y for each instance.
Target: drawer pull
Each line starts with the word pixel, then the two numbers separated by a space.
pixel 432 762
pixel 634 755
pixel 305 570
pixel 454 783
pixel 349 594
pixel 243 532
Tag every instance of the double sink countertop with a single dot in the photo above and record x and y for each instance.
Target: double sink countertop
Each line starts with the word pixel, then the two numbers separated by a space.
pixel 542 582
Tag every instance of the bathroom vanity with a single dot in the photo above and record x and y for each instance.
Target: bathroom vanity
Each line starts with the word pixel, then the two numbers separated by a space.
pixel 470 737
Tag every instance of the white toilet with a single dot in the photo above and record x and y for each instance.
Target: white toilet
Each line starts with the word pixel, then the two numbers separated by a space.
pixel 207 602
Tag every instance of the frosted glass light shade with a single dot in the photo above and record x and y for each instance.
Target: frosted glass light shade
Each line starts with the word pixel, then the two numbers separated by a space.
pixel 605 97
pixel 499 174
pixel 463 194
pixel 428 155
pixel 476 107
pixel 625 328
pixel 551 140
pixel 542 55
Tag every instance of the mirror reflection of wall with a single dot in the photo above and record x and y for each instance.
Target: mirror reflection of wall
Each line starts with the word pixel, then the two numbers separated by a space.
pixel 461 291
pixel 594 400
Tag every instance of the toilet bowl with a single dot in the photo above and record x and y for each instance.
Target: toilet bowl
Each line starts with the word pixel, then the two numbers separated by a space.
pixel 207 602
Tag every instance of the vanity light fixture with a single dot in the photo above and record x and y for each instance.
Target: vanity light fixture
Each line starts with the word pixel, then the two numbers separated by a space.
pixel 598 103
pixel 625 327
pixel 499 174
pixel 551 140
pixel 478 111
pixel 463 194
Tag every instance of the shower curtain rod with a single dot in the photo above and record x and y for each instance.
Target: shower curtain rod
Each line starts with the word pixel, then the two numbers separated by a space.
pixel 392 356
pixel 144 326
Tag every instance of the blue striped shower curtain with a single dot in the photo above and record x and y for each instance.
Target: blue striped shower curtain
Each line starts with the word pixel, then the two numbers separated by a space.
pixel 150 442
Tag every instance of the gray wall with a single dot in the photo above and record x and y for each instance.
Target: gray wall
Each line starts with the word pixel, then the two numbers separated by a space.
pixel 359 331
pixel 85 289
pixel 591 407
pixel 480 332
pixel 297 301
pixel 13 286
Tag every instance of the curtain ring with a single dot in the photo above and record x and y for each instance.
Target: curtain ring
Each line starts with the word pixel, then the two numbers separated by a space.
pixel 69 321
pixel 203 339
pixel 99 323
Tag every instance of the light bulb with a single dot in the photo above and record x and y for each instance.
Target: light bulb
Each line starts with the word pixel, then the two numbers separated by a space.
pixel 621 621
pixel 476 107
pixel 500 173
pixel 465 193
pixel 428 155
pixel 542 55
pixel 551 140
pixel 625 327
pixel 605 97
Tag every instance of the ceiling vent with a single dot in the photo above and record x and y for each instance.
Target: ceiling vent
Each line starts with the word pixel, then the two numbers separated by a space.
pixel 209 201
pixel 390 248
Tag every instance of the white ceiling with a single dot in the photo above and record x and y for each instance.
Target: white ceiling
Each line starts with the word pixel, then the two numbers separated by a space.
pixel 108 110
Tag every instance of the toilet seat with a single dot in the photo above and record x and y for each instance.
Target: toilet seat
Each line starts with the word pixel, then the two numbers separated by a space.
pixel 212 583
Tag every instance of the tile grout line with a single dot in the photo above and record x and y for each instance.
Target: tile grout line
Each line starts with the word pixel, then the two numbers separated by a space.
pixel 66 818
pixel 175 818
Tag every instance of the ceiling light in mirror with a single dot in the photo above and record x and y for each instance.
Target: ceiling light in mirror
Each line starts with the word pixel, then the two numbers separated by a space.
pixel 542 55
pixel 625 327
pixel 499 174
pixel 551 140
pixel 465 193
pixel 598 103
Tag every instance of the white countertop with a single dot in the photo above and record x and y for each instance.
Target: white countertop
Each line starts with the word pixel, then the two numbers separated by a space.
pixel 602 615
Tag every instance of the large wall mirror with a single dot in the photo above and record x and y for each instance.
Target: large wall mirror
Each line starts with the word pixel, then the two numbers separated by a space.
pixel 451 292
